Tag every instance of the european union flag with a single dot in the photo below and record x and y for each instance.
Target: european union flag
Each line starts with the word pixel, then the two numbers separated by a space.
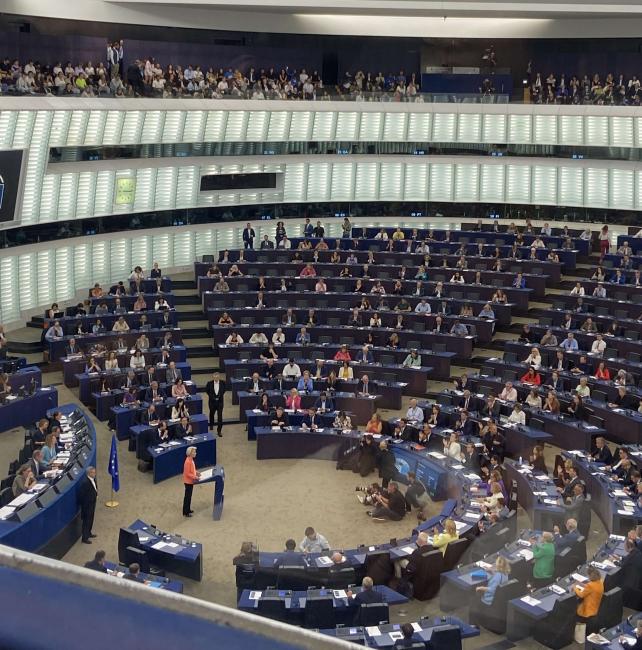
pixel 113 465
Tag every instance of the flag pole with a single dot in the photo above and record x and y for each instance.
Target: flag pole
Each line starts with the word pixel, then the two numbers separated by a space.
pixel 111 503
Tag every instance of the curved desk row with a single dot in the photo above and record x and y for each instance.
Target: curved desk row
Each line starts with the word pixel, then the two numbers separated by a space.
pixel 384 274
pixel 58 347
pixel 450 302
pixel 159 358
pixel 485 262
pixel 438 360
pixel 618 512
pixel 21 411
pixel 268 318
pixel 525 613
pixel 567 257
pixel 387 274
pixel 622 425
pixel 108 380
pixel 447 304
pixel 125 417
pixel 48 523
pixel 25 378
pixel 414 378
pixel 385 636
pixel 620 308
pixel 155 320
pixel 601 316
pixel 562 431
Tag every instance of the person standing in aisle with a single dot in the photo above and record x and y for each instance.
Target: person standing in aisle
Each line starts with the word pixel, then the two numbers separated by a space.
pixel 190 476
pixel 215 389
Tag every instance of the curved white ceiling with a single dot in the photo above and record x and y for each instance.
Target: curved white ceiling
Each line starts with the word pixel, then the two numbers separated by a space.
pixel 410 18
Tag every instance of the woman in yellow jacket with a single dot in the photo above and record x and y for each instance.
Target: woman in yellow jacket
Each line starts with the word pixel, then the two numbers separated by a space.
pixel 591 594
pixel 449 535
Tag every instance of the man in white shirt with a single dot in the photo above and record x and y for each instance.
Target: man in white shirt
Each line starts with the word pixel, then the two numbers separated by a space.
pixel 285 243
pixel 314 542
pixel 291 370
pixel 423 307
pixel 509 393
pixel 258 338
pixel 54 332
pixel 599 345
pixel 414 413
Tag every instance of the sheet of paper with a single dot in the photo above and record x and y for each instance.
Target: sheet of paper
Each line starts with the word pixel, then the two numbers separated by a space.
pixel 6 512
pixel 159 546
pixel 255 595
pixel 20 500
pixel 324 560
pixel 529 600
pixel 484 565
pixel 471 515
pixel 373 631
pixel 339 593
pixel 416 627
pixel 396 635
pixel 526 553
pixel 557 589
pixel 409 549
pixel 578 577
pixel 207 473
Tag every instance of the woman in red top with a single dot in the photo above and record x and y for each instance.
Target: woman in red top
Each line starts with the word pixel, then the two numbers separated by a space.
pixel 293 400
pixel 531 377
pixel 308 271
pixel 190 476
pixel 602 372
pixel 343 354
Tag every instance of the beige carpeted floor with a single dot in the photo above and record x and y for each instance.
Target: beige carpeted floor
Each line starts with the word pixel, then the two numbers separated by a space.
pixel 265 502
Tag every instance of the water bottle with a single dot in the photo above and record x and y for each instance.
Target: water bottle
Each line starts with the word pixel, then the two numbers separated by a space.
pixel 520 460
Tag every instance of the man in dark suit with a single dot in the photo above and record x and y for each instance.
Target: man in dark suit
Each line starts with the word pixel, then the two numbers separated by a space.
pixel 134 573
pixel 365 597
pixel 278 383
pixel 491 408
pixel 87 495
pixel 569 538
pixel 248 236
pixel 310 420
pixel 215 389
pixel 574 480
pixel 154 393
pixel 407 643
pixel 172 373
pixel 130 381
pixel 602 452
pixel 468 402
pixel 149 376
pixel 35 463
pixel 98 563
pixel 465 426
pixel 324 403
pixel 72 348
pixel 266 244
pixel 290 557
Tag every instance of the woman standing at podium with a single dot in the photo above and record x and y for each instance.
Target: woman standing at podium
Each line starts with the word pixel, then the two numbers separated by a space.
pixel 190 476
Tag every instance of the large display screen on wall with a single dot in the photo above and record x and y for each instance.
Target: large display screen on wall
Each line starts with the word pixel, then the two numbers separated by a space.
pixel 10 166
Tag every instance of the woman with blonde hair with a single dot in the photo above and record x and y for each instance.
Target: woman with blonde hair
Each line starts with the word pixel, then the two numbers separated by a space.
pixel 374 424
pixel 450 534
pixel 500 575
